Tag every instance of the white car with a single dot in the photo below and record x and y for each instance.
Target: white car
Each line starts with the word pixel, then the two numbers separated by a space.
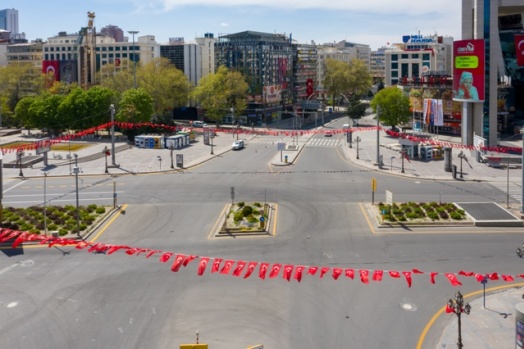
pixel 199 124
pixel 237 145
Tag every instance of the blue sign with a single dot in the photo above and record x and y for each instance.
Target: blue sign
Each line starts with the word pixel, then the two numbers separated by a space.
pixel 262 219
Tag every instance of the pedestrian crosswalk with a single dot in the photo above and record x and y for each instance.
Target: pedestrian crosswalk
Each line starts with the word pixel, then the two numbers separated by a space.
pixel 515 190
pixel 313 142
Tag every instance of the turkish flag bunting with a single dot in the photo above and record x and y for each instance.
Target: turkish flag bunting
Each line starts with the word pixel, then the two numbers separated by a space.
pixel 407 275
pixel 94 247
pixel 448 309
pixel 19 239
pixel 336 273
pixel 250 268
pixel 113 249
pixel 519 49
pixel 298 272
pixel 394 274
pixel 239 268
pixel 479 277
pixel 432 276
pixel 165 257
pixel 202 265
pixel 377 275
pixel 275 269
pixel 466 273
pixel 5 232
pixel 520 276
pixel 216 265
pixel 493 276
pixel 10 236
pixel 80 246
pixel 416 271
pixel 179 259
pixel 507 278
pixel 263 270
pixel 312 270
pixel 152 252
pixel 453 279
pixel 189 259
pixel 228 264
pixel 131 251
pixel 350 273
pixel 323 271
pixel 288 271
pixel 364 276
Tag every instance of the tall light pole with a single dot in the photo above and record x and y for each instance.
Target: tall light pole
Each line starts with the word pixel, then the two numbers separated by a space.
pixel 112 107
pixel 457 307
pixel 45 202
pixel 76 170
pixel 133 32
pixel 358 141
pixel 378 136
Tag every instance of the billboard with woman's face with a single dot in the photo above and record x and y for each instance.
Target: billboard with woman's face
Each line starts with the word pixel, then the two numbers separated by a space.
pixel 468 70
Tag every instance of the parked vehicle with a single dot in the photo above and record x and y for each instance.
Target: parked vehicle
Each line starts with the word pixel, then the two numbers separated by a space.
pixel 237 145
pixel 199 124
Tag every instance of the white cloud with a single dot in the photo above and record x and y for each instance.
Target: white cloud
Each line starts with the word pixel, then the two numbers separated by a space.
pixel 224 25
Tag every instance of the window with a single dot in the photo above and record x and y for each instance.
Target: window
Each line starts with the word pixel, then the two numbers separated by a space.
pixel 404 56
pixel 415 56
pixel 405 68
pixel 415 69
pixel 394 65
pixel 394 57
pixel 425 56
pixel 394 74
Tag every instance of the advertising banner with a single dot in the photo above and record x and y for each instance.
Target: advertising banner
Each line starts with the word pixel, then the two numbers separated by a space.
pixel 51 67
pixel 468 70
pixel 439 113
pixel 272 94
pixel 519 49
pixel 68 71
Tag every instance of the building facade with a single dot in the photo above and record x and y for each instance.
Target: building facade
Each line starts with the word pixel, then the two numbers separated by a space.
pixel 497 23
pixel 305 82
pixel 265 60
pixel 377 64
pixel 9 21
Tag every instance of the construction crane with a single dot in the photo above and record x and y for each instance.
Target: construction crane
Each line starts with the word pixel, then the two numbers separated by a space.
pixel 84 52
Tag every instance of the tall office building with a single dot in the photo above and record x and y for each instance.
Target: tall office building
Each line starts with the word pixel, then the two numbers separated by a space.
pixel 497 23
pixel 9 21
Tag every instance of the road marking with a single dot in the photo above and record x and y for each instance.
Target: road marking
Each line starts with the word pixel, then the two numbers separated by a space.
pixel 274 233
pixel 14 186
pixel 6 269
pixel 443 309
pixel 215 226
pixel 122 209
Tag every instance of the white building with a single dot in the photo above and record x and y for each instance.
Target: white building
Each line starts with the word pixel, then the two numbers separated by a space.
pixel 416 56
pixel 377 64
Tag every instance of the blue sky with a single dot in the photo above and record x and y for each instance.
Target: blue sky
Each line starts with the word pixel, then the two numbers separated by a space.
pixel 372 22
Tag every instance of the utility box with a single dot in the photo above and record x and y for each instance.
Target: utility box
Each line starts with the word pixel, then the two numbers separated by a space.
pixel 448 160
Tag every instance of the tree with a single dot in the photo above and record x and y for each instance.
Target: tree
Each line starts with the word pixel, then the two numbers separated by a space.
pixel 135 106
pixel 167 85
pixel 117 79
pixel 16 82
pixel 351 78
pixel 356 109
pixel 218 93
pixel 335 80
pixel 360 79
pixel 393 106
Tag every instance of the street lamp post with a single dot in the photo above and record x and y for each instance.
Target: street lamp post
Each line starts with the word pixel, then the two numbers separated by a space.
pixel 160 161
pixel 458 307
pixel 358 141
pixel 391 166
pixel 171 148
pixel 20 154
pixel 105 156
pixel 461 156
pixel 45 202
pixel 112 107
pixel 133 32
pixel 378 136
pixel 76 170
pixel 402 155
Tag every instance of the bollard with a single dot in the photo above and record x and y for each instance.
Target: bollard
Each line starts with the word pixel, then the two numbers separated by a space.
pixel 285 159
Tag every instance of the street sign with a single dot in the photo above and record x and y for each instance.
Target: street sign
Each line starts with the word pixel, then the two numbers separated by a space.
pixel 374 184
pixel 281 146
pixel 179 160
pixel 262 219
pixel 389 197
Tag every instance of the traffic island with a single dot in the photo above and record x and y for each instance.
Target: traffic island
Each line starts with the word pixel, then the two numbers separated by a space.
pixel 246 219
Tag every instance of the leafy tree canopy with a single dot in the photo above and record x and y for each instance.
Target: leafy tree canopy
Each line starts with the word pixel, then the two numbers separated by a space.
pixel 392 106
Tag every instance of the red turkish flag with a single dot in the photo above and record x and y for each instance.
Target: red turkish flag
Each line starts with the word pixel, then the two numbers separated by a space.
pixel 377 275
pixel 350 273
pixel 520 276
pixel 432 276
pixel 288 271
pixel 202 265
pixel 312 270
pixel 239 268
pixel 466 273
pixel 364 276
pixel 507 278
pixel 298 272
pixel 11 235
pixel 336 273
pixel 519 49
pixel 228 264
pixel 250 268
pixel 449 309
pixel 150 253
pixel 216 265
pixel 407 275
pixel 275 269
pixel 165 257
pixel 493 276
pixel 113 249
pixel 263 270
pixel 394 274
pixel 189 259
pixel 479 277
pixel 453 279
pixel 19 239
pixel 323 271
pixel 5 232
pixel 416 271
pixel 179 259
pixel 80 246
pixel 131 251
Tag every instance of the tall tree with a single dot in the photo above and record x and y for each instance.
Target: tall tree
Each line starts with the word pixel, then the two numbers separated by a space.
pixel 135 106
pixel 16 82
pixel 118 79
pixel 218 93
pixel 392 106
pixel 356 109
pixel 360 79
pixel 335 78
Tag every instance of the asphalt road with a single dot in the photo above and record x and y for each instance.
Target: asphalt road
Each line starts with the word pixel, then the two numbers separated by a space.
pixel 53 299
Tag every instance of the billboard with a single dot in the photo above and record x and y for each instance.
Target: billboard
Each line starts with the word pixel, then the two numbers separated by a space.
pixel 519 49
pixel 468 70
pixel 68 71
